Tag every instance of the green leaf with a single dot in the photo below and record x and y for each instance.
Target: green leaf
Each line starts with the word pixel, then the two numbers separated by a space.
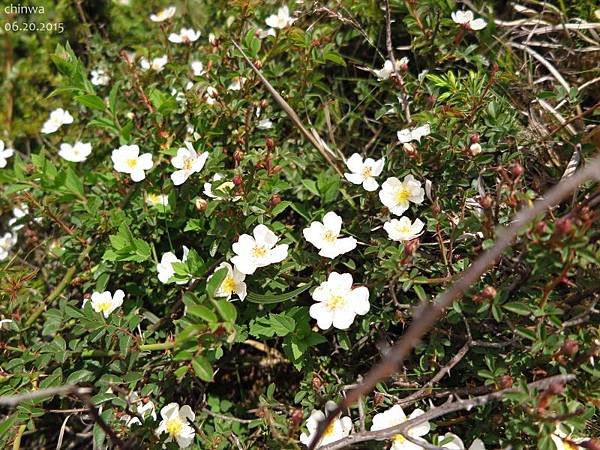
pixel 276 298
pixel 517 308
pixel 73 183
pixel 203 368
pixel 80 376
pixel 203 312
pixel 215 281
pixel 226 309
pixel 91 101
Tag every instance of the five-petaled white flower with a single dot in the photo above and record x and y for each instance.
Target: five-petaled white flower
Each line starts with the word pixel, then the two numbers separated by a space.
pixel 157 199
pixel 395 416
pixel 197 68
pixel 6 243
pixel 388 68
pixel 364 172
pixel 157 64
pixel 188 161
pixel 456 443
pixel 338 303
pixel 175 423
pixel 163 15
pixel 143 409
pixel 105 302
pixel 165 268
pixel 5 153
pixel 339 428
pixel 58 118
pixel 99 77
pixel 403 229
pixel 127 159
pixel 413 134
pixel 233 283
pixel 397 195
pixel 280 20
pixel 223 190
pixel 77 152
pixel 185 36
pixel 259 250
pixel 465 18
pixel 325 236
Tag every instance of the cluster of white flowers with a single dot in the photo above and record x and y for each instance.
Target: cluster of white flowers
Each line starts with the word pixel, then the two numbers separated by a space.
pixel 99 77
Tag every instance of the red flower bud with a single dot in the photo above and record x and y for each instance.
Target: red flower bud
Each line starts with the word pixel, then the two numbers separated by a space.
pixel 516 170
pixel 237 180
pixel 570 347
pixel 275 200
pixel 564 226
pixel 475 138
pixel 270 143
pixel 540 227
pixel 238 155
pixel 488 292
pixel 297 415
pixel 505 381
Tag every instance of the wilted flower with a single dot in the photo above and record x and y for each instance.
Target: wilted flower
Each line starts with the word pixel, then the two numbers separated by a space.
pixel 338 303
pixel 157 64
pixel 143 410
pixel 188 161
pixel 157 199
pixel 396 194
pixel 364 172
pixel 197 68
pixel 105 302
pixel 223 188
pixel 185 36
pixel 77 152
pixel 403 229
pixel 163 15
pixel 259 250
pixel 175 423
pixel 280 20
pixel 236 84
pixel 6 243
pixel 233 283
pixel 395 416
pixel 338 429
pixel 465 18
pixel 325 236
pixel 127 159
pixel 388 68
pixel 413 134
pixel 166 270
pixel 5 154
pixel 456 443
pixel 99 77
pixel 58 118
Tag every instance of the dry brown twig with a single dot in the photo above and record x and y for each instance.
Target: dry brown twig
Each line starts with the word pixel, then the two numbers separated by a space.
pixel 431 313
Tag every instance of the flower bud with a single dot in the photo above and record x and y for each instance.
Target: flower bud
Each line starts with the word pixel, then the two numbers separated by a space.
pixel 264 103
pixel 237 180
pixel 270 143
pixel 258 63
pixel 475 138
pixel 488 292
pixel 296 418
pixel 540 227
pixel 410 149
pixel 570 347
pixel 201 204
pixel 238 155
pixel 163 134
pixel 475 149
pixel 505 381
pixel 564 226
pixel 486 201
pixel 276 169
pixel 275 200
pixel 378 399
pixel 410 247
pixel 516 170
pixel 317 383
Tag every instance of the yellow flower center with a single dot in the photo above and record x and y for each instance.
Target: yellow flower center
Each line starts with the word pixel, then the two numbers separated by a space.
pixel 404 229
pixel 132 163
pixel 328 236
pixel 228 285
pixel 399 438
pixel 153 198
pixel 402 195
pixel 329 430
pixel 335 302
pixel 366 172
pixel 188 163
pixel 569 446
pixel 174 426
pixel 259 251
pixel 103 306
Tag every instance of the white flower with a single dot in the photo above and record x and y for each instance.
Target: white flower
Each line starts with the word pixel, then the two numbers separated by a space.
pixel 236 84
pixel 280 20
pixel 5 154
pixel 395 416
pixel 99 77
pixel 18 213
pixel 259 250
pixel 413 134
pixel 264 124
pixel 127 159
pixel 212 39
pixel 337 303
pixel 325 236
pixel 264 33
pixel 143 410
pixel 364 172
pixel 232 284
pixel 403 229
pixel 396 194
pixel 475 149
pixel 197 68
pixel 157 199
pixel 185 36
pixel 58 118
pixel 388 68
pixel 6 243
pixel 456 443
pixel 563 440
pixel 157 64
pixel 175 423
pixel 77 152
pixel 105 302
pixel 211 95
pixel 188 162
pixel 166 270
pixel 163 15
pixel 223 189
pixel 338 429
pixel 465 18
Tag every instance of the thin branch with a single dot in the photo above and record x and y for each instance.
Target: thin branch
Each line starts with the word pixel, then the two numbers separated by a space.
pixel 446 408
pixel 431 313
